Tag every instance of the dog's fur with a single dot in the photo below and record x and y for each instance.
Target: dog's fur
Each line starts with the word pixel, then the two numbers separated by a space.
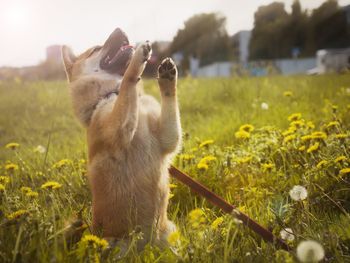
pixel 131 139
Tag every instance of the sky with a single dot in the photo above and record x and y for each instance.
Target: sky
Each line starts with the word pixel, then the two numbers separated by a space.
pixel 27 27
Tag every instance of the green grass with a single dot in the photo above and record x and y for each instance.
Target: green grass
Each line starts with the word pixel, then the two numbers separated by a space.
pixel 40 113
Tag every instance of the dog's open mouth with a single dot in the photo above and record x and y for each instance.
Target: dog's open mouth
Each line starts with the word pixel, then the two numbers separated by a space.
pixel 117 53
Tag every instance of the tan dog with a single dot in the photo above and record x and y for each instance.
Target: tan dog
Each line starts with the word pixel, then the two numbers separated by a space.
pixel 131 138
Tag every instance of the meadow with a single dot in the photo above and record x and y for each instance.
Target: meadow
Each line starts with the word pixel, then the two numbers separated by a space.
pixel 250 140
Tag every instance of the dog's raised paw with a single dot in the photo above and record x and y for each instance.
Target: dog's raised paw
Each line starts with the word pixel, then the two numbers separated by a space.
pixel 167 69
pixel 145 51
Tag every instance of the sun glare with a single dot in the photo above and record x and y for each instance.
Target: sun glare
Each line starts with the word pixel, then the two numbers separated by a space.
pixel 16 16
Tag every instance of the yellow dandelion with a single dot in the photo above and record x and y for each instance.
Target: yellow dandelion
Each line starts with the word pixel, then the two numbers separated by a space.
pixel 294 117
pixel 341 136
pixel 288 94
pixel 313 147
pixel 208 158
pixel 2 188
pixel 306 137
pixel 340 159
pixel 318 135
pixel 11 167
pixel 4 179
pixel 290 131
pixel 267 166
pixel 194 149
pixel 246 159
pixel 218 221
pixel 247 128
pixel 32 194
pixel 174 238
pixel 206 143
pixel 12 145
pixel 289 138
pixel 186 156
pixel 310 125
pixel 333 124
pixel 51 185
pixel 172 186
pixel 170 196
pixel 61 163
pixel 18 214
pixel 196 217
pixel 302 148
pixel 94 241
pixel 345 171
pixel 202 166
pixel 322 164
pixel 297 123
pixel 25 189
pixel 241 134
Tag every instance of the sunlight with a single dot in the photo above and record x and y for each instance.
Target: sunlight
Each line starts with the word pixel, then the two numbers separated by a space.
pixel 16 16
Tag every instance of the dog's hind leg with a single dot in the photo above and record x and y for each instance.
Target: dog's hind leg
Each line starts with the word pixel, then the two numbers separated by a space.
pixel 169 126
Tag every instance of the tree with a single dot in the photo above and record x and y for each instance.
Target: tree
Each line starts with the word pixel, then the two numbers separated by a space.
pixel 204 36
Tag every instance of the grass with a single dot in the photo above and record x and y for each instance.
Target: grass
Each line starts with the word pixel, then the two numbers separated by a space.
pixel 255 173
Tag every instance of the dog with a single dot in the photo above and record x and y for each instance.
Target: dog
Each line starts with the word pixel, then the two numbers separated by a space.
pixel 131 137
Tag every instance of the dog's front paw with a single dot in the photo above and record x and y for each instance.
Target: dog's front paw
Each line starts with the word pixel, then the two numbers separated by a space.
pixel 167 75
pixel 144 52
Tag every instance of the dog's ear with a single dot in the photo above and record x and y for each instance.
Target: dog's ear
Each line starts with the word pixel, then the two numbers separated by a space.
pixel 68 60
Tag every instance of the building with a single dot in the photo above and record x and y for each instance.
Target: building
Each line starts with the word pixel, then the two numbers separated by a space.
pixel 240 43
pixel 53 53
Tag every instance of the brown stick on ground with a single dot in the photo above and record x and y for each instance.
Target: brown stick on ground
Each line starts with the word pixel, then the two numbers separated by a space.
pixel 226 207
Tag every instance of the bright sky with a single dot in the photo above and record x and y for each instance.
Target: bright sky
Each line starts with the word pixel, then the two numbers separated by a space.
pixel 27 27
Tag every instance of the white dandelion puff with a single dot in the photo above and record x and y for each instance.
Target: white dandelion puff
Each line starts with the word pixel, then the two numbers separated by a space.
pixel 264 106
pixel 298 193
pixel 310 251
pixel 287 234
pixel 40 149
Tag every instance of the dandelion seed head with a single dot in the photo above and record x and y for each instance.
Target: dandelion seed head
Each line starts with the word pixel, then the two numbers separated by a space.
pixel 40 149
pixel 310 251
pixel 298 193
pixel 264 106
pixel 287 234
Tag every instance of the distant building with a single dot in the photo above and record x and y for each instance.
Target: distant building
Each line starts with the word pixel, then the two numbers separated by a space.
pixel 240 43
pixel 53 53
pixel 331 60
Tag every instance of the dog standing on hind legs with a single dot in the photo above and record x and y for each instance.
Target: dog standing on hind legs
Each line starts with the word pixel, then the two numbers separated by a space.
pixel 131 138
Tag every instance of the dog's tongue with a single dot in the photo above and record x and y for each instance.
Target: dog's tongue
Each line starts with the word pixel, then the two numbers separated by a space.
pixel 117 53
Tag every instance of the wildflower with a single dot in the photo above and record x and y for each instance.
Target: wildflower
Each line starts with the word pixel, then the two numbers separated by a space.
pixel 321 164
pixel 267 166
pixel 290 131
pixel 341 136
pixel 302 148
pixel 171 186
pixel 186 156
pixel 170 196
pixel 11 167
pixel 12 145
pixel 345 171
pixel 287 234
pixel 206 143
pixel 32 194
pixel 310 251
pixel 288 94
pixel 289 138
pixel 247 128
pixel 241 134
pixel 207 159
pixel 298 193
pixel 306 137
pixel 218 221
pixel 196 217
pixel 340 159
pixel 25 189
pixel 246 159
pixel 4 179
pixel 40 149
pixel 194 149
pixel 318 135
pixel 18 214
pixel 294 117
pixel 2 188
pixel 61 163
pixel 297 123
pixel 333 124
pixel 174 238
pixel 202 166
pixel 310 125
pixel 51 185
pixel 264 106
pixel 94 241
pixel 313 147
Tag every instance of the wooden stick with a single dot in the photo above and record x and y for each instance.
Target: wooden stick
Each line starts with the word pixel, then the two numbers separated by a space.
pixel 226 207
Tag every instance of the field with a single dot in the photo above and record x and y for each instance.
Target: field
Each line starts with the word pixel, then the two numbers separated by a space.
pixel 250 140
